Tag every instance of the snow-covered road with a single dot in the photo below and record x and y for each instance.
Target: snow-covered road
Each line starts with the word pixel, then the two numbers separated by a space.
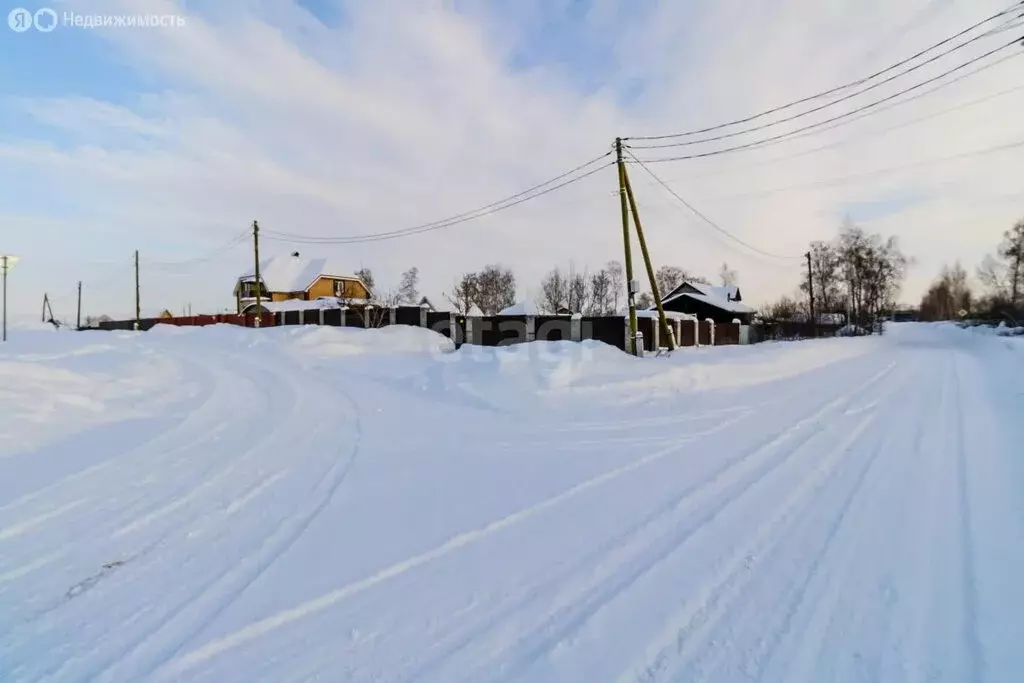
pixel 340 505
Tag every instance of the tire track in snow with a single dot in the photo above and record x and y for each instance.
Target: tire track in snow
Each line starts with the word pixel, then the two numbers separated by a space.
pixel 146 656
pixel 969 590
pixel 822 600
pixel 689 625
pixel 573 613
pixel 271 623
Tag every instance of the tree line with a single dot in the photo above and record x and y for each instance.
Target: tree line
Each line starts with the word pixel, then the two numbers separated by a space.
pixel 856 278
pixel 1001 276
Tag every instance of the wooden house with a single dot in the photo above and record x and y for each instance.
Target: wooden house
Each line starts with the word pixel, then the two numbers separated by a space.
pixel 721 304
pixel 294 277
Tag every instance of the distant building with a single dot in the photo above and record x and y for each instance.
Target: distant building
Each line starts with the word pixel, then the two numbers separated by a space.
pixel 296 278
pixel 721 304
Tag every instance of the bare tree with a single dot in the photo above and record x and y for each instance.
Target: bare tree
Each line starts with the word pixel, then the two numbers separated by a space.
pixel 464 293
pixel 602 298
pixel 727 276
pixel 826 276
pixel 644 300
pixel 554 291
pixel 579 292
pixel 366 275
pixel 408 287
pixel 873 269
pixel 948 296
pixel 496 289
pixel 618 282
pixel 668 278
pixel 1012 251
pixel 783 309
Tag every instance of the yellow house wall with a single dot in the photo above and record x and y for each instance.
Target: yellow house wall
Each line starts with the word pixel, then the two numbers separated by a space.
pixel 324 286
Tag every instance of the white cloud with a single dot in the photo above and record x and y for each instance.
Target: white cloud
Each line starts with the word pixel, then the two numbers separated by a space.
pixel 408 112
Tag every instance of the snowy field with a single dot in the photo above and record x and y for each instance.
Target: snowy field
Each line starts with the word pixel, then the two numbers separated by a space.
pixel 317 504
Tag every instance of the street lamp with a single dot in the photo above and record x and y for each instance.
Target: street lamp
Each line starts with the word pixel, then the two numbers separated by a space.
pixel 7 261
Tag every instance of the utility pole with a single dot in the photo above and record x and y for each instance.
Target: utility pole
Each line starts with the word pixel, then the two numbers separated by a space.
pixel 78 315
pixel 666 331
pixel 256 270
pixel 810 294
pixel 3 266
pixel 630 293
pixel 138 307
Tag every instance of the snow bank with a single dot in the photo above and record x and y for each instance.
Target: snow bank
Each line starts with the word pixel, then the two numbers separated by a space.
pixel 322 342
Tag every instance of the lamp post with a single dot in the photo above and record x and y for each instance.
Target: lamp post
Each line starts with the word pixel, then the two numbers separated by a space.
pixel 7 261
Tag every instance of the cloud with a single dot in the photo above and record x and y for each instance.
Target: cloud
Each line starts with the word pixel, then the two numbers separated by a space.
pixel 391 114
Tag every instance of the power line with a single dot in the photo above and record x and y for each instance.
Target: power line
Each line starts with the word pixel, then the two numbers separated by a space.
pixel 869 174
pixel 209 256
pixel 787 119
pixel 876 132
pixel 494 207
pixel 834 90
pixel 789 135
pixel 706 219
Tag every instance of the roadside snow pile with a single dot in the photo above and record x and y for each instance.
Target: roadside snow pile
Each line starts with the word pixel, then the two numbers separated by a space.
pixel 851 331
pixel 1000 330
pixel 322 342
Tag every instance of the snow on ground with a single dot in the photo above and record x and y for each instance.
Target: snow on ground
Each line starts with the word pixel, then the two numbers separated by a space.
pixel 303 504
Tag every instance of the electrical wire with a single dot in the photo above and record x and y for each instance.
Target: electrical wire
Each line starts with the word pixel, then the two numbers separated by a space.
pixel 827 182
pixel 487 209
pixel 438 225
pixel 871 133
pixel 747 119
pixel 790 134
pixel 708 220
pixel 787 119
pixel 209 256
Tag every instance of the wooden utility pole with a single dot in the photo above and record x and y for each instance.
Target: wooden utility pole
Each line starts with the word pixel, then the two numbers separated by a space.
pixel 138 303
pixel 631 342
pixel 810 294
pixel 4 267
pixel 666 331
pixel 256 271
pixel 78 314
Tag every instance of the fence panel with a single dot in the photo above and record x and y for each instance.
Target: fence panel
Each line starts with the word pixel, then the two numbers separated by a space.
pixel 293 317
pixel 440 322
pixel 705 332
pixel 610 329
pixel 645 326
pixel 311 317
pixel 407 315
pixel 689 333
pixel 727 333
pixel 332 317
pixel 553 328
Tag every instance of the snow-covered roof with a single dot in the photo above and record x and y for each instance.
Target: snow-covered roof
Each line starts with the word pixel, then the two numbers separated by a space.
pixel 728 293
pixel 292 273
pixel 713 296
pixel 524 307
pixel 475 312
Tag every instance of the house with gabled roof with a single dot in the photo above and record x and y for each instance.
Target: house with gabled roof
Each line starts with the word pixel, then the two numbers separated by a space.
pixel 721 304
pixel 295 278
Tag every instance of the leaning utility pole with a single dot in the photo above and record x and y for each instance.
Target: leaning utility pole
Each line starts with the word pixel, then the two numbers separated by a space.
pixel 78 315
pixel 666 331
pixel 630 285
pixel 810 294
pixel 256 270
pixel 138 307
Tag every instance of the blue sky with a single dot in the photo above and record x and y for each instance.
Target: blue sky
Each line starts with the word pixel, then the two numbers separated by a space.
pixel 323 117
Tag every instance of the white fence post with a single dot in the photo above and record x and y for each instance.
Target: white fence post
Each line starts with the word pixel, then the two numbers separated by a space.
pixel 392 315
pixel 531 328
pixel 711 336
pixel 576 327
pixel 321 317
